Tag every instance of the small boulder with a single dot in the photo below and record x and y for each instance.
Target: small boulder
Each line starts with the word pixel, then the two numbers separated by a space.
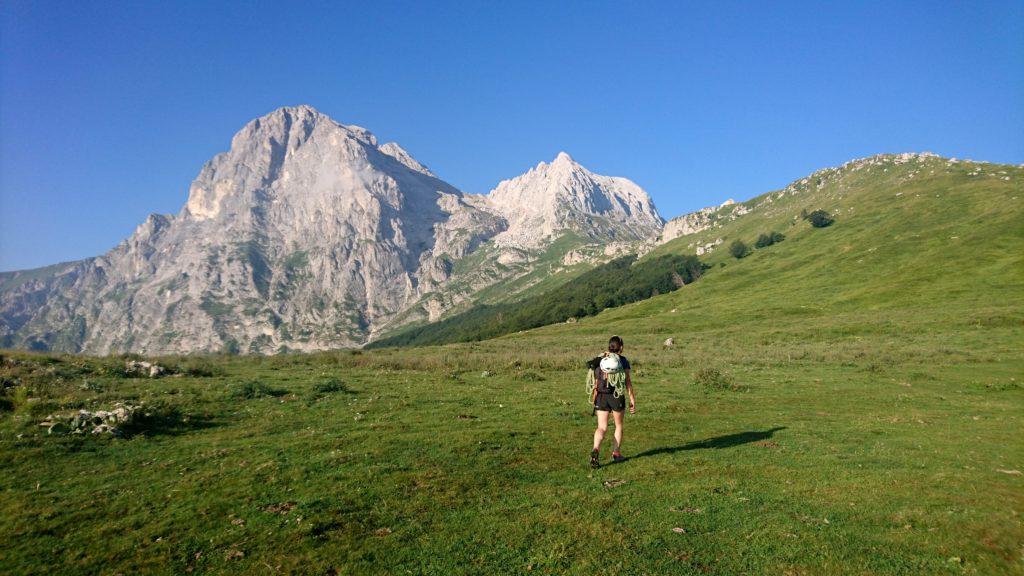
pixel 85 422
pixel 140 368
pixel 57 428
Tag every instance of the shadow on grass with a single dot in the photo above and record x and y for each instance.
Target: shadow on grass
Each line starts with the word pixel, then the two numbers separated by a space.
pixel 718 442
pixel 167 423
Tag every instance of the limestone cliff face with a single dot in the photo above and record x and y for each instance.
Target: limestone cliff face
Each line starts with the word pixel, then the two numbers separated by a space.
pixel 308 235
pixel 691 223
pixel 564 196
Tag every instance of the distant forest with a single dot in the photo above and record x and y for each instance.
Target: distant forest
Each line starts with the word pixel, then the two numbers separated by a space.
pixel 615 283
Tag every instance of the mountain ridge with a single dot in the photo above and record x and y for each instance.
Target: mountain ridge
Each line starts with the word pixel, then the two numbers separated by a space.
pixel 305 234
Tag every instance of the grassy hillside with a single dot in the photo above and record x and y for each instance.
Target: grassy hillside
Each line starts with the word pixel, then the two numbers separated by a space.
pixel 615 283
pixel 856 409
pixel 926 234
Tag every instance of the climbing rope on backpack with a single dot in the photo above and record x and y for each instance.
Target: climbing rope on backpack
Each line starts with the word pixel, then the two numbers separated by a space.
pixel 613 373
pixel 591 382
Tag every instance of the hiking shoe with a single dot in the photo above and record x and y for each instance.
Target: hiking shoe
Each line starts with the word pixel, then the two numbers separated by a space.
pixel 618 457
pixel 595 461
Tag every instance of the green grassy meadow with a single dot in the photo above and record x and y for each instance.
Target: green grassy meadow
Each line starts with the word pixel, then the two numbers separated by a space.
pixel 867 419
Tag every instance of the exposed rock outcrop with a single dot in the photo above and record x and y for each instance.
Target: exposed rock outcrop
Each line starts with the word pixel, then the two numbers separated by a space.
pixel 563 196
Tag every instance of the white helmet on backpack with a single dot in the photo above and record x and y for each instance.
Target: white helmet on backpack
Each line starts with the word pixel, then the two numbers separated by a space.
pixel 611 363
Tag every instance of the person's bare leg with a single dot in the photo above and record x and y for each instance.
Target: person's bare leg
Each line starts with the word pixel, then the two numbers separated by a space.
pixel 602 427
pixel 618 416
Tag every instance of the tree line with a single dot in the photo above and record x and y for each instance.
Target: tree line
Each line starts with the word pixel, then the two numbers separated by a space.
pixel 620 281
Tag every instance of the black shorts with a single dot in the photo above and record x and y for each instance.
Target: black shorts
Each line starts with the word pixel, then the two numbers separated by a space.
pixel 609 403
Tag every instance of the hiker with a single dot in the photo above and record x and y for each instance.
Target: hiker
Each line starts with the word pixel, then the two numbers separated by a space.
pixel 610 381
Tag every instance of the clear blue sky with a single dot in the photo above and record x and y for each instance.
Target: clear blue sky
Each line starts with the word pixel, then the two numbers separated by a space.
pixel 108 110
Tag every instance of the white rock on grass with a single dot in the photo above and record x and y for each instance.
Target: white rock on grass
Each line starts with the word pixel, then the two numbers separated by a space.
pixel 139 367
pixel 98 422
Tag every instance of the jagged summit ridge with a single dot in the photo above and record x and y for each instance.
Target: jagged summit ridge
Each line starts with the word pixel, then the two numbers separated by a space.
pixel 563 195
pixel 297 149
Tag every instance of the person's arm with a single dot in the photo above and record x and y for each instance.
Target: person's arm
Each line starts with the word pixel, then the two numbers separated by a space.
pixel 629 389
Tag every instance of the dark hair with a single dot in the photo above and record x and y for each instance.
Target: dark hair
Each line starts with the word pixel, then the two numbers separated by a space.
pixel 615 340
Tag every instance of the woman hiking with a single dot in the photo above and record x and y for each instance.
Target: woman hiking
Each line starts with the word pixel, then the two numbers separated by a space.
pixel 611 375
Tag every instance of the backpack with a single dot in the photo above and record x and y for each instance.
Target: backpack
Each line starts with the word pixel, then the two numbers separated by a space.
pixel 607 369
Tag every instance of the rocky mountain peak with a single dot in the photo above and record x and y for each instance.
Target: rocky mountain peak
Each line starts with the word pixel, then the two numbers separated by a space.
pixel 295 154
pixel 564 196
pixel 563 158
pixel 562 165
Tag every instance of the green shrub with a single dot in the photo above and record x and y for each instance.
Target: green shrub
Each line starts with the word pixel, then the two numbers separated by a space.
pixel 325 388
pixel 712 378
pixel 330 386
pixel 528 376
pixel 91 386
pixel 820 219
pixel 252 389
pixel 765 240
pixel 18 398
pixel 739 249
pixel 40 407
pixel 112 366
pixel 198 367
